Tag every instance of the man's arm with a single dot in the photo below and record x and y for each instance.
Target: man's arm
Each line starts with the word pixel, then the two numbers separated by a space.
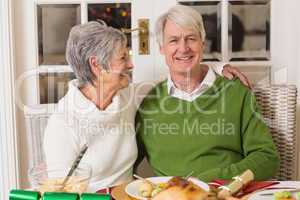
pixel 260 153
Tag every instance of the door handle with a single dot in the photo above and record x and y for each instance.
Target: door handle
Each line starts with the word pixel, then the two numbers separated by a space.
pixel 143 30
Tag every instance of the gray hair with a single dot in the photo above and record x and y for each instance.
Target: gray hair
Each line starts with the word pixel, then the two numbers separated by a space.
pixel 92 39
pixel 184 16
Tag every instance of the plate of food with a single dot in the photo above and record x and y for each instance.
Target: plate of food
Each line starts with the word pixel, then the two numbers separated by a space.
pixel 151 187
pixel 286 190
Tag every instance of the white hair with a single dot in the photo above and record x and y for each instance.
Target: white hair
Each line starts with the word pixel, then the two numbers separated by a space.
pixel 184 16
pixel 92 39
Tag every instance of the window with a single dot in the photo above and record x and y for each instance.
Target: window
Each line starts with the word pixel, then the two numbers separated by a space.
pixel 249 35
pixel 236 35
pixel 54 25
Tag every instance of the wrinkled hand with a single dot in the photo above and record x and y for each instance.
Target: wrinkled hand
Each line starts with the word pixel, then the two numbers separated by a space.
pixel 230 72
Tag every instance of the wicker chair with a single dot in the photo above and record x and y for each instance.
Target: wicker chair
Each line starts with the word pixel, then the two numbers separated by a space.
pixel 278 107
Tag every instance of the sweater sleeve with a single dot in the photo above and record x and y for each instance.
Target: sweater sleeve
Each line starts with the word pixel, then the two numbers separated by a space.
pixel 140 145
pixel 141 90
pixel 60 146
pixel 260 154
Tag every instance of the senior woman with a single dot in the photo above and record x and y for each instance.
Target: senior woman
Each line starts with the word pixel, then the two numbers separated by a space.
pixel 98 109
pixel 95 111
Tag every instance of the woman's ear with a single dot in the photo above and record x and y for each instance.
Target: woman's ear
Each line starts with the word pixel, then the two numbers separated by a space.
pixel 95 67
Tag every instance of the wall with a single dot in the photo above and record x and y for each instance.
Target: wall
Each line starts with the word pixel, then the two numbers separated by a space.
pixel 286 50
pixel 25 54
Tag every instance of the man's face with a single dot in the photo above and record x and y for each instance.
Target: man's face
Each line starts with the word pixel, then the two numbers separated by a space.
pixel 182 47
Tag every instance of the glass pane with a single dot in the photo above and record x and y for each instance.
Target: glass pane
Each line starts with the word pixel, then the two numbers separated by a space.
pixel 210 12
pixel 257 74
pixel 117 15
pixel 53 86
pixel 54 25
pixel 249 30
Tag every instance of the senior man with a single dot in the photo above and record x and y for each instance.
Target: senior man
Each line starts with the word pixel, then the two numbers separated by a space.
pixel 197 121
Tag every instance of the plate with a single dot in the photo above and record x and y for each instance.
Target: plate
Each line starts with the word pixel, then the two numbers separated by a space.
pixel 258 195
pixel 132 189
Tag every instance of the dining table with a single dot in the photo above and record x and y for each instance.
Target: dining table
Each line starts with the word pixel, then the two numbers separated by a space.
pixel 118 192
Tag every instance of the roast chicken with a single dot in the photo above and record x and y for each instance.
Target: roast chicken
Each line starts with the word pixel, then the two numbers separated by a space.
pixel 179 188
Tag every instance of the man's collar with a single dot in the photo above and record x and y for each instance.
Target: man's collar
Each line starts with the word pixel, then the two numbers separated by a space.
pixel 208 81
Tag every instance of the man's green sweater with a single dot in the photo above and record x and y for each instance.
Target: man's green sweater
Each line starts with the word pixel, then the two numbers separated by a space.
pixel 218 135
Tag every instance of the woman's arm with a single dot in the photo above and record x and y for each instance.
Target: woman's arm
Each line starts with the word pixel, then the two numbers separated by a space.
pixel 60 143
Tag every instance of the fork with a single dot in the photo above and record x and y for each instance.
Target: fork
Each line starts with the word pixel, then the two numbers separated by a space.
pixel 143 179
pixel 189 175
pixel 74 165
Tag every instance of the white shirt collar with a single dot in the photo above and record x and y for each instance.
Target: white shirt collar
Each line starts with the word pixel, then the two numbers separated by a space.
pixel 207 82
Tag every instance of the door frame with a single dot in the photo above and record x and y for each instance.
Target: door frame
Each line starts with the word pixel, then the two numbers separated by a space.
pixel 9 168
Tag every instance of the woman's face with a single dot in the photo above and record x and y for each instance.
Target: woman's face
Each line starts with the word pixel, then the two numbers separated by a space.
pixel 119 67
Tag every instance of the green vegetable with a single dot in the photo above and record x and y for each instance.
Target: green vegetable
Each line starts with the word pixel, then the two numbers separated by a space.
pixel 156 191
pixel 282 195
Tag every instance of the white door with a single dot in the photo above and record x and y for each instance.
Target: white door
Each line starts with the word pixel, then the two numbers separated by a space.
pixel 235 34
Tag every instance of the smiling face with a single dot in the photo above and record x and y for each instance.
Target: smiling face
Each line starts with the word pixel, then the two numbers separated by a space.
pixel 119 67
pixel 182 48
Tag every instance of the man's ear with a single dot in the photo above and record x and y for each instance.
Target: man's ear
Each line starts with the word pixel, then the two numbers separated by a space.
pixel 95 67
